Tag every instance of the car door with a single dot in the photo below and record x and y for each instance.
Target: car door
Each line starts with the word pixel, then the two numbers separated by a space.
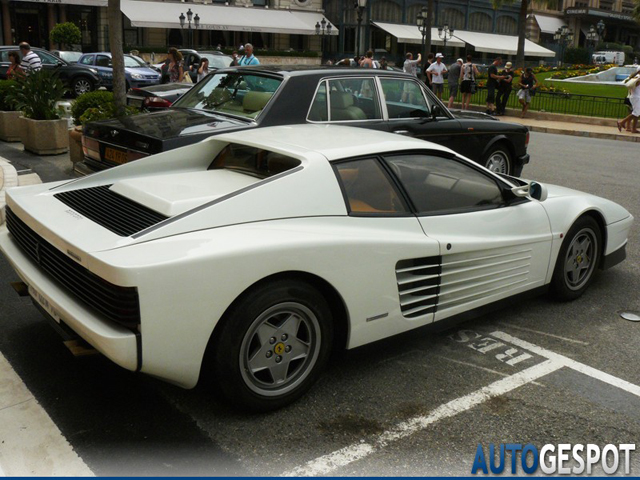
pixel 409 110
pixel 352 101
pixel 492 244
pixel 54 64
pixel 394 284
pixel 102 63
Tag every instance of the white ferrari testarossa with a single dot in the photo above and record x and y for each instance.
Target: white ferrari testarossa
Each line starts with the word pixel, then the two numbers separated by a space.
pixel 251 255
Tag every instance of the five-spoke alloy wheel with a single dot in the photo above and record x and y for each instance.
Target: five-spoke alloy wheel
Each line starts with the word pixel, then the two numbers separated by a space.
pixel 272 345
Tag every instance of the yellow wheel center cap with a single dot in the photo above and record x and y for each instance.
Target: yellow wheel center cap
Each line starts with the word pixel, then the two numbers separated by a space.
pixel 279 348
pixel 579 259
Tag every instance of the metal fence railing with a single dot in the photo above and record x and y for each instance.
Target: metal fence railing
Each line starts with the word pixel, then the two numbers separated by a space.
pixel 564 103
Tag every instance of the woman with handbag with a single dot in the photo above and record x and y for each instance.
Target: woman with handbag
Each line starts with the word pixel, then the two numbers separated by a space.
pixel 528 84
pixel 174 66
pixel 468 74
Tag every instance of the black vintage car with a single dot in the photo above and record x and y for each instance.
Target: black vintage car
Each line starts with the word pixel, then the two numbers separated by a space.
pixel 78 78
pixel 156 97
pixel 242 98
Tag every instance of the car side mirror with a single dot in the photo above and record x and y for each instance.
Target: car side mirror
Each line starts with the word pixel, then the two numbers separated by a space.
pixel 534 190
pixel 436 111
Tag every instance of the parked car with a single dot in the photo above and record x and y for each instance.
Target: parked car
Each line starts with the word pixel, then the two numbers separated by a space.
pixel 137 73
pixel 240 98
pixel 78 78
pixel 250 256
pixel 67 56
pixel 156 97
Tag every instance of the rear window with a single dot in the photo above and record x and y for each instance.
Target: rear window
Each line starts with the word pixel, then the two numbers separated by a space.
pixel 232 94
pixel 253 161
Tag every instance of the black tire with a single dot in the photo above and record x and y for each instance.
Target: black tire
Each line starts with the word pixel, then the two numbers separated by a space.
pixel 245 363
pixel 498 159
pixel 81 85
pixel 578 259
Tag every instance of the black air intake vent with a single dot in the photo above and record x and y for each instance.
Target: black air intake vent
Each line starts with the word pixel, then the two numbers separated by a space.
pixel 114 212
pixel 418 285
pixel 119 304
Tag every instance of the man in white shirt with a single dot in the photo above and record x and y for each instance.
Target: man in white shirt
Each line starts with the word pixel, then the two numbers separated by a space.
pixel 30 60
pixel 410 65
pixel 436 75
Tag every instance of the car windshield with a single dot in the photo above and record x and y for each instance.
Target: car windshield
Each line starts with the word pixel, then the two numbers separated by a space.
pixel 70 57
pixel 217 61
pixel 133 62
pixel 232 94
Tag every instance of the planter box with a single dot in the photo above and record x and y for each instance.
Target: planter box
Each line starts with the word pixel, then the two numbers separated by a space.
pixel 10 126
pixel 75 145
pixel 45 137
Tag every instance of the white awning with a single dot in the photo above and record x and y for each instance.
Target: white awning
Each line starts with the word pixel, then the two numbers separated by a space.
pixel 91 3
pixel 221 17
pixel 501 44
pixel 411 34
pixel 548 24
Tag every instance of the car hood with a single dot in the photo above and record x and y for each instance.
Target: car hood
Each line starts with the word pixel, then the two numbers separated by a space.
pixel 162 125
pixel 141 71
pixel 470 115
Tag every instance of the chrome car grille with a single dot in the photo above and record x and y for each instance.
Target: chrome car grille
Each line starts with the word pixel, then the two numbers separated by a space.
pixel 418 285
pixel 119 304
pixel 114 212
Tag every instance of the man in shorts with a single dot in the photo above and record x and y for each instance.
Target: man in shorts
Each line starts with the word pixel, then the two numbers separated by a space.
pixel 436 75
pixel 492 84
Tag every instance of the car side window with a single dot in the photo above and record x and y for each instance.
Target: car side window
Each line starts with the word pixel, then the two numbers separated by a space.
pixel 368 189
pixel 438 185
pixel 103 61
pixel 87 60
pixel 4 56
pixel 319 107
pixel 353 99
pixel 47 59
pixel 404 98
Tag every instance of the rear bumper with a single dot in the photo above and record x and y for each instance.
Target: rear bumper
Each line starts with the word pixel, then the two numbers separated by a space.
pixel 117 343
pixel 519 164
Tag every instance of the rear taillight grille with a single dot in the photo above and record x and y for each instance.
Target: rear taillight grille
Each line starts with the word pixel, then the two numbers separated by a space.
pixel 118 304
pixel 114 212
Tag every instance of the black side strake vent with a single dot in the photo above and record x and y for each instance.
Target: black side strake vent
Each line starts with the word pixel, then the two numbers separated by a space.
pixel 114 212
pixel 418 285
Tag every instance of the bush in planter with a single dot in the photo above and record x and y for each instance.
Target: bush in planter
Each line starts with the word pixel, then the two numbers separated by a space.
pixel 9 128
pixel 99 99
pixel 6 89
pixel 65 34
pixel 42 130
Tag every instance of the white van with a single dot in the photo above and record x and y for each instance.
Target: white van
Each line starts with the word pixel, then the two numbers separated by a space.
pixel 606 57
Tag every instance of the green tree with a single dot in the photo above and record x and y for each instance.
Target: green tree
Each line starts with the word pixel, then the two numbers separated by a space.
pixel 65 34
pixel 522 22
pixel 114 16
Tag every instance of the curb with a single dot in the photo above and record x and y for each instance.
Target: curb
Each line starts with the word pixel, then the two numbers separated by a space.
pixel 578 133
pixel 9 178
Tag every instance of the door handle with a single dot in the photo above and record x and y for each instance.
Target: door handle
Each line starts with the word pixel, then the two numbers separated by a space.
pixel 401 132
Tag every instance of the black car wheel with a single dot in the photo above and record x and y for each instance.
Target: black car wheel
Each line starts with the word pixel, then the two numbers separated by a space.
pixel 499 160
pixel 577 261
pixel 272 345
pixel 82 85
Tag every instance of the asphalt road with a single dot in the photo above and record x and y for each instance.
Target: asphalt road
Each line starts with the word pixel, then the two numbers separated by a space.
pixel 351 423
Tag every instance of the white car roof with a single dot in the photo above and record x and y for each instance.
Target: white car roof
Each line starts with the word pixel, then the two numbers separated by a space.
pixel 334 142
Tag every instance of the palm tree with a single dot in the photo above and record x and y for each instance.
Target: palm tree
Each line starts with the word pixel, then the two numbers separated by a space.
pixel 114 16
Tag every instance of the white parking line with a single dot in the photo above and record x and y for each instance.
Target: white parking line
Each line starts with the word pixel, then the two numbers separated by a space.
pixel 340 458
pixel 485 369
pixel 524 329
pixel 580 367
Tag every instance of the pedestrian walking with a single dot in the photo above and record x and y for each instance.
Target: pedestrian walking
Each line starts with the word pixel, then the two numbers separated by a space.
pixel 426 66
pixel 30 60
pixel 504 89
pixel 368 60
pixel 175 69
pixel 248 58
pixel 454 80
pixel 630 122
pixel 410 65
pixel 468 75
pixel 436 75
pixel 203 69
pixel 15 70
pixel 528 84
pixel 492 85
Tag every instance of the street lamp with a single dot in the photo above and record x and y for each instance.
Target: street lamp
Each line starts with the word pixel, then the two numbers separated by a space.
pixel 601 27
pixel 189 18
pixel 423 26
pixel 359 6
pixel 445 33
pixel 323 28
pixel 564 37
pixel 592 36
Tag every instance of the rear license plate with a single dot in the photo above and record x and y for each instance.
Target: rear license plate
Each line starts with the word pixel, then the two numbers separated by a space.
pixel 115 156
pixel 44 303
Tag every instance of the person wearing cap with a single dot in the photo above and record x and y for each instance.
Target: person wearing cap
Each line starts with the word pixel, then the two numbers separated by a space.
pixel 436 72
pixel 454 79
pixel 504 88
